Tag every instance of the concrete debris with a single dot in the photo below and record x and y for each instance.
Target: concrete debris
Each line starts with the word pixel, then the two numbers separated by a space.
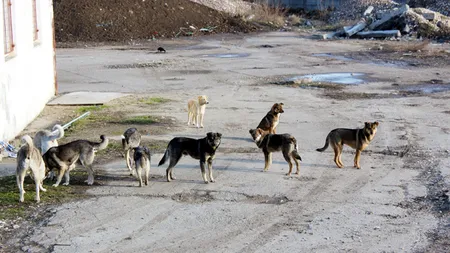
pixel 397 21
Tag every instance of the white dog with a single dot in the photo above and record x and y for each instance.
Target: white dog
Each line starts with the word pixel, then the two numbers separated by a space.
pixel 196 110
pixel 44 139
pixel 29 157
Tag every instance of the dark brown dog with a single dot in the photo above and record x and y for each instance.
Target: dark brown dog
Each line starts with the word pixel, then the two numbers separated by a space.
pixel 270 121
pixel 269 143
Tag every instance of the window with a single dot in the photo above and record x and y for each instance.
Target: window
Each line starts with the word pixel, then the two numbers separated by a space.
pixel 35 21
pixel 8 41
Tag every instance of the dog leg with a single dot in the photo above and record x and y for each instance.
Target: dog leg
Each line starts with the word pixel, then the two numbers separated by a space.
pixel 288 160
pixel 59 177
pixel 357 156
pixel 128 159
pixel 189 118
pixel 298 166
pixel 139 175
pixel 340 156
pixel 210 160
pixel 66 177
pixel 20 177
pixel 90 180
pixel 37 184
pixel 201 120
pixel 337 154
pixel 147 173
pixel 202 168
pixel 268 160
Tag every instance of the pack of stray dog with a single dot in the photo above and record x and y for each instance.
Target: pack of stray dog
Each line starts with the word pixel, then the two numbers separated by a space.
pixel 43 156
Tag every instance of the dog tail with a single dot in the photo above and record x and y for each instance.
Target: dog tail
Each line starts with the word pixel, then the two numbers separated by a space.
pixel 103 144
pixel 58 132
pixel 164 158
pixel 27 140
pixel 327 141
pixel 295 151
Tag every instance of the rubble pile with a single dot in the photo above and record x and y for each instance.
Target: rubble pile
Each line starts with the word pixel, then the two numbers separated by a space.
pixel 354 9
pixel 395 22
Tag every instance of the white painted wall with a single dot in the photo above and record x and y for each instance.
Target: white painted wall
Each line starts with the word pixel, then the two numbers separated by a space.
pixel 27 75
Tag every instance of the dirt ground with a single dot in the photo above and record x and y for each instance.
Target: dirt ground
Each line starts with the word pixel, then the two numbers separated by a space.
pixel 129 20
pixel 397 202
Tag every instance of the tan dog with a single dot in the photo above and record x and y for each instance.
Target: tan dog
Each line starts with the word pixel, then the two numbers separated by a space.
pixel 196 110
pixel 269 143
pixel 29 158
pixel 270 122
pixel 357 139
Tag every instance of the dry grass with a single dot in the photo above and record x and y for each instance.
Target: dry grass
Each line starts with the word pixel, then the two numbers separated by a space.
pixel 265 14
pixel 406 47
pixel 294 19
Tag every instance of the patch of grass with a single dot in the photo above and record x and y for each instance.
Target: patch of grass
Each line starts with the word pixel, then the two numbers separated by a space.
pixel 404 47
pixel 294 19
pixel 11 208
pixel 140 120
pixel 265 14
pixel 154 100
pixel 92 108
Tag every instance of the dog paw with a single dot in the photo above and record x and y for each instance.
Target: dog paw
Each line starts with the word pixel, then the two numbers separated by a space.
pixel 173 178
pixel 288 174
pixel 55 185
pixel 206 182
pixel 212 181
pixel 201 126
pixel 21 200
pixel 66 183
pixel 43 189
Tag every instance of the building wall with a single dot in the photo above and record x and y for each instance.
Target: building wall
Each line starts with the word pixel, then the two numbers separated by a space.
pixel 27 77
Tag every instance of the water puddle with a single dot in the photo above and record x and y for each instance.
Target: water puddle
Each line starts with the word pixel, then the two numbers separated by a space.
pixel 332 56
pixel 426 88
pixel 241 55
pixel 199 47
pixel 339 78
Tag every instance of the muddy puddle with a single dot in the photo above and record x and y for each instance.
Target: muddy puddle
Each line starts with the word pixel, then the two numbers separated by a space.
pixel 230 55
pixel 337 78
pixel 332 56
pixel 425 88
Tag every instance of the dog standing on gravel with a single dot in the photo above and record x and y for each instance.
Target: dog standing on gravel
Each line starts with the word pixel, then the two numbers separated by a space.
pixel 142 159
pixel 63 158
pixel 269 143
pixel 202 149
pixel 196 110
pixel 357 139
pixel 270 122
pixel 130 139
pixel 29 158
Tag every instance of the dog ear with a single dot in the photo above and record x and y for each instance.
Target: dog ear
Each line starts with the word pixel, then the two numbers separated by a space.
pixel 376 123
pixel 209 134
pixel 366 124
pixel 281 104
pixel 251 131
pixel 219 134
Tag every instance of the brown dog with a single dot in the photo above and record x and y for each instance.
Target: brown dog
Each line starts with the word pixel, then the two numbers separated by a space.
pixel 357 139
pixel 270 122
pixel 269 143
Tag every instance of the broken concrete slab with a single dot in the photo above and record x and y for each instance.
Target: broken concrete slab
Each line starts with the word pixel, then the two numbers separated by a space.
pixel 356 28
pixel 431 16
pixel 86 98
pixel 388 16
pixel 379 34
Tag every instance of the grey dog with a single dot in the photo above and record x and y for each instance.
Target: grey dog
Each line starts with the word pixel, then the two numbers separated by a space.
pixel 142 158
pixel 63 158
pixel 202 149
pixel 130 139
